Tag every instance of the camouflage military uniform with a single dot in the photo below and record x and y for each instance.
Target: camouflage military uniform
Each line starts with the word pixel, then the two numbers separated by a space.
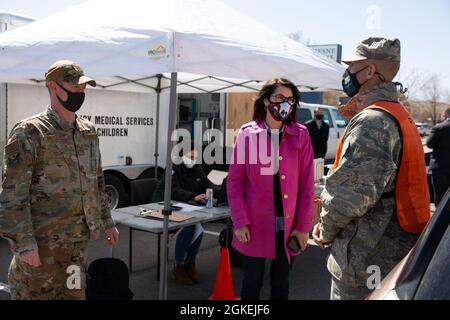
pixel 53 200
pixel 362 225
pixel 52 280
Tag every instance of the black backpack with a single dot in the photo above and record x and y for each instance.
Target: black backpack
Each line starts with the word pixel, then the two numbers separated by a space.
pixel 108 279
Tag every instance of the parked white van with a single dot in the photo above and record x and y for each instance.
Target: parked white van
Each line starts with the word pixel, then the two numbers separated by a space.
pixel 332 117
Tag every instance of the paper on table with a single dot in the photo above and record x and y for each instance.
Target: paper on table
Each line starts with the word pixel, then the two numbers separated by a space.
pixel 216 176
pixel 175 216
pixel 185 207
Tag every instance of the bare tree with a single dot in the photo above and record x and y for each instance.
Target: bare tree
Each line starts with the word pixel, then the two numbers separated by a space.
pixel 425 96
pixel 299 37
pixel 414 81
pixel 434 94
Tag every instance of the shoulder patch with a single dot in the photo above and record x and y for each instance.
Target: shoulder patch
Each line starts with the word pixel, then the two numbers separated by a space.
pixel 12 149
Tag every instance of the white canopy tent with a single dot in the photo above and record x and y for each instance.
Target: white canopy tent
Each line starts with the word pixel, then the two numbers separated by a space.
pixel 190 45
pixel 136 39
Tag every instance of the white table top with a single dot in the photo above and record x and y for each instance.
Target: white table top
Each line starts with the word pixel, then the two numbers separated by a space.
pixel 129 216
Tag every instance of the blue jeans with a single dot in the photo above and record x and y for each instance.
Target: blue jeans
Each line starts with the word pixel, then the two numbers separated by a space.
pixel 184 252
pixel 279 274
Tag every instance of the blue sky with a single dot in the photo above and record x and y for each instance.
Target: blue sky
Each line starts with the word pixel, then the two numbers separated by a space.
pixel 422 26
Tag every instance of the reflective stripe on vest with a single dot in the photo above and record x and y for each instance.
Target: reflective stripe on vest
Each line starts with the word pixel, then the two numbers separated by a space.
pixel 411 190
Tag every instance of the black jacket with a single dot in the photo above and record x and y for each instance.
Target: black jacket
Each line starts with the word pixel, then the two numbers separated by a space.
pixel 186 184
pixel 319 137
pixel 439 141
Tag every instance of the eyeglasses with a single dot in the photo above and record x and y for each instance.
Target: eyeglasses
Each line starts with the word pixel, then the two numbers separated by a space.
pixel 279 98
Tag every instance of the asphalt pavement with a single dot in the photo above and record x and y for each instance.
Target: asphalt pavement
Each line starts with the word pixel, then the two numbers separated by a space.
pixel 310 279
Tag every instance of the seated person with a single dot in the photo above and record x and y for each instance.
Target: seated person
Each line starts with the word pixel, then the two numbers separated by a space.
pixel 189 183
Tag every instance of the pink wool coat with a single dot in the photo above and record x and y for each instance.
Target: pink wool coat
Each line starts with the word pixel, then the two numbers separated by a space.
pixel 250 188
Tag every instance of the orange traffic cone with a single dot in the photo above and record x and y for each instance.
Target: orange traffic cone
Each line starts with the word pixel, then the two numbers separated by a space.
pixel 223 289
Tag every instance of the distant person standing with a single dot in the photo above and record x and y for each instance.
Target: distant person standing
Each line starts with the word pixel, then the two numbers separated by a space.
pixel 318 131
pixel 439 141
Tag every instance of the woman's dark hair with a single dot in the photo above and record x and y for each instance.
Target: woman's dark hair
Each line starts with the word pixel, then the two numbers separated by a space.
pixel 259 111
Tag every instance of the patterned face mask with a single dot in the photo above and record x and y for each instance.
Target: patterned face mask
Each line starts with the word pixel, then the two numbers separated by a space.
pixel 280 111
pixel 350 84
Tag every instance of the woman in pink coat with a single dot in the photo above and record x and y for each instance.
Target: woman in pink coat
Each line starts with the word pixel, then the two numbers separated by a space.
pixel 271 189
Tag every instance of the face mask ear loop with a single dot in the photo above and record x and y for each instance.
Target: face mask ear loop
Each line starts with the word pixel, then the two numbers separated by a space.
pixel 361 69
pixel 62 87
pixel 368 79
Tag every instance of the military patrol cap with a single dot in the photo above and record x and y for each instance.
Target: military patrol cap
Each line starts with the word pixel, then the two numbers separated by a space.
pixel 376 48
pixel 67 71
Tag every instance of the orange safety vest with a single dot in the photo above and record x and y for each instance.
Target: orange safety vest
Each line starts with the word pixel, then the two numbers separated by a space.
pixel 411 190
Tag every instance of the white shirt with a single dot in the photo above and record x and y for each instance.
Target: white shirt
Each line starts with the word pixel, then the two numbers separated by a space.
pixel 319 123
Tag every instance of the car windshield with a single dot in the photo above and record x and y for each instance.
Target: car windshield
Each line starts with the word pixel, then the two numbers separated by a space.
pixel 327 117
pixel 303 115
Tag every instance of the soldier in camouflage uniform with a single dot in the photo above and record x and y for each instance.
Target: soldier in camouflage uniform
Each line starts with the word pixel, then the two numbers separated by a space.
pixel 356 219
pixel 53 198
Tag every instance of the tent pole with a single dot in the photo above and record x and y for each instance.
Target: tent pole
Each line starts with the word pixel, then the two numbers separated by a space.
pixel 158 94
pixel 168 186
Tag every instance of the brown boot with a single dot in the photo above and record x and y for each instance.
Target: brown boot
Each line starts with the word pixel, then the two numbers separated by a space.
pixel 190 271
pixel 180 274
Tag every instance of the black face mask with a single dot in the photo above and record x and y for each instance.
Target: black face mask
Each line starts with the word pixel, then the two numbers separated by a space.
pixel 319 117
pixel 74 99
pixel 350 83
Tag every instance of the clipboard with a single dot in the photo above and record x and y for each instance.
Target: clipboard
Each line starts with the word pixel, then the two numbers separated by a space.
pixel 174 217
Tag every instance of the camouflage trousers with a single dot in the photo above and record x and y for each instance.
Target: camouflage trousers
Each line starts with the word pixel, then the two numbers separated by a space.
pixel 341 290
pixel 61 275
